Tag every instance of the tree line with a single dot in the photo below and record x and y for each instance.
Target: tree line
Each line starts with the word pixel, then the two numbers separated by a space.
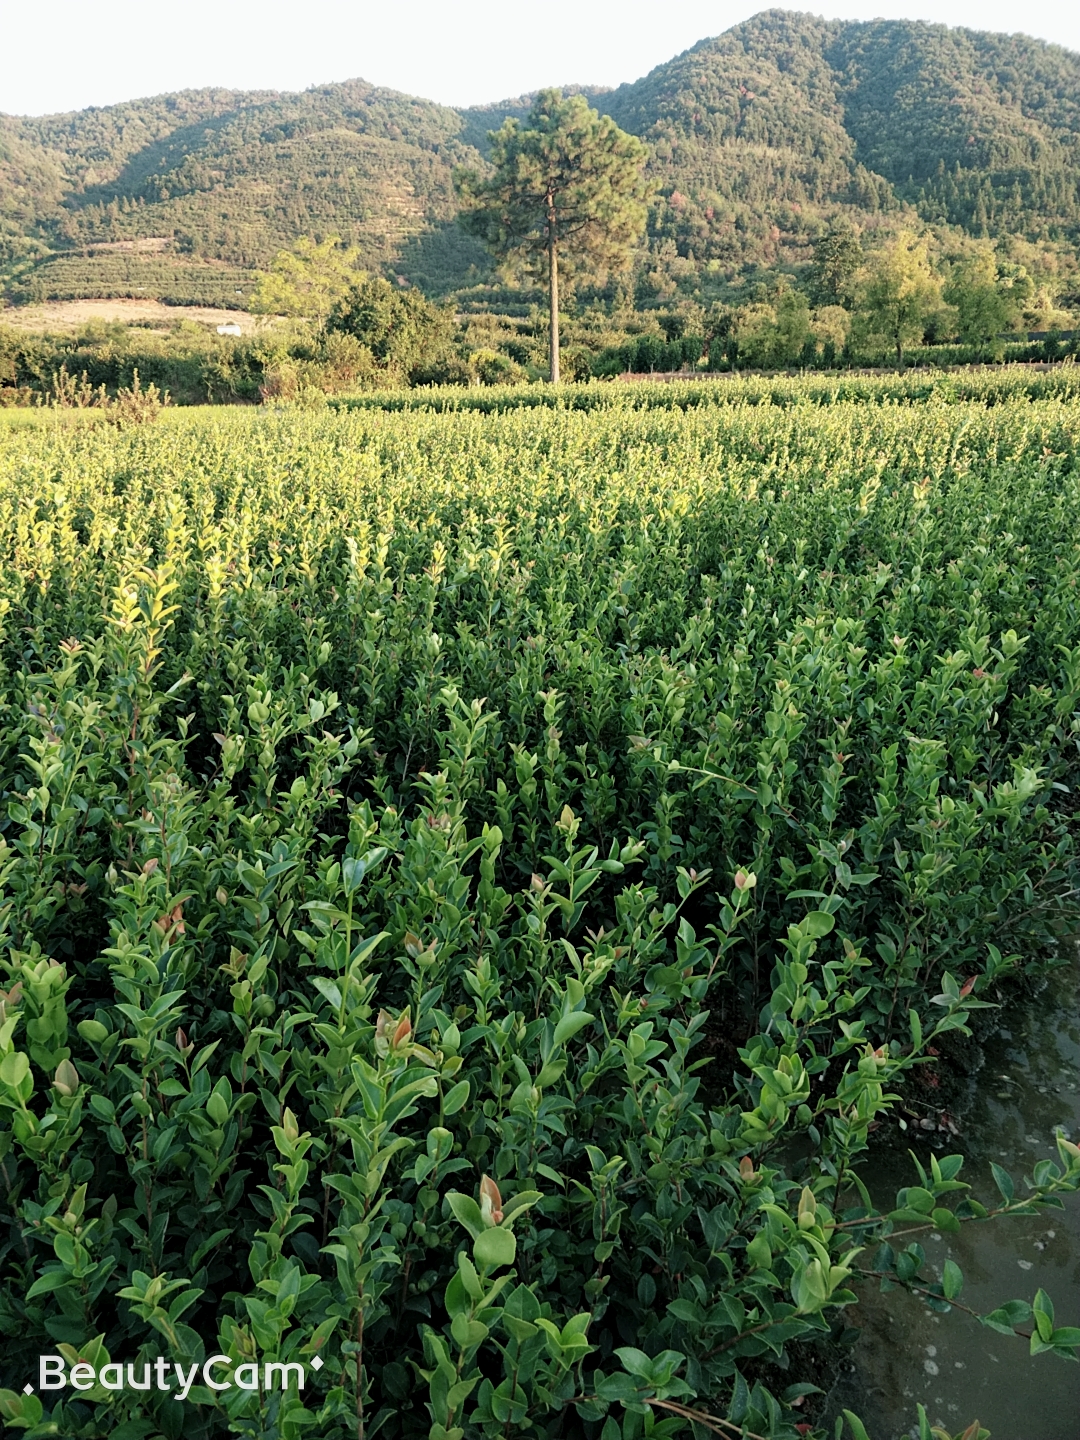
pixel 563 202
pixel 565 196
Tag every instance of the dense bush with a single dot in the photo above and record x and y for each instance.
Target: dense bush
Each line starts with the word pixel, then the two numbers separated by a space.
pixel 193 365
pixel 649 353
pixel 762 351
pixel 409 338
pixel 472 883
pixel 384 339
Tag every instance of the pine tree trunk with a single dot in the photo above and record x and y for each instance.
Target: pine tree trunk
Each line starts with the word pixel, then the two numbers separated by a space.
pixel 553 292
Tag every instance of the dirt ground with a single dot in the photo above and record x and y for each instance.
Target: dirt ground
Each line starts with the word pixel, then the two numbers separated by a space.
pixel 65 315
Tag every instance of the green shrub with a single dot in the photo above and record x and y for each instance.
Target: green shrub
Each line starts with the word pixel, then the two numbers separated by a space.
pixel 472 883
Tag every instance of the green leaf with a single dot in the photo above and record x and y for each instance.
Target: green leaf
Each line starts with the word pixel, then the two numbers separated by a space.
pixel 919 1200
pixel 51 1280
pixel 468 1333
pixel 796 1392
pixel 817 924
pixel 137 1429
pixel 328 990
pixel 570 1024
pixel 21 1411
pixel 519 1203
pixel 759 1252
pixel 459 1393
pixel 217 1108
pixel 858 1429
pixel 635 1361
pixel 619 1389
pixel 1006 1317
pixel 469 1278
pixel 494 1247
pixel 520 1330
pixel 103 1108
pixel 1003 1180
pixel 916 1030
pixel 14 1068
pixel 466 1211
pixel 1042 1310
pixel 952 1280
pixel 455 1098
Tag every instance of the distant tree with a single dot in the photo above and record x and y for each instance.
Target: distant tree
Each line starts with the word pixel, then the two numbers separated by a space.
pixel 831 327
pixel 771 335
pixel 793 328
pixel 838 257
pixel 987 300
pixel 717 335
pixel 407 335
pixel 307 281
pixel 567 186
pixel 898 294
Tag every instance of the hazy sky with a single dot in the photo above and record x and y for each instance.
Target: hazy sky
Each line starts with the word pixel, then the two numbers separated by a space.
pixel 71 53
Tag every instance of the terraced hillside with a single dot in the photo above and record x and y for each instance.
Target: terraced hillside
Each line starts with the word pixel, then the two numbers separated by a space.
pixel 759 137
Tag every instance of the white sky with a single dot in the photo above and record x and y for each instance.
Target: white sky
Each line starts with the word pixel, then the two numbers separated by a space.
pixel 66 54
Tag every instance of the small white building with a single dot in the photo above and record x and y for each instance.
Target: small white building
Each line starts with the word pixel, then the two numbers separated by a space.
pixel 230 328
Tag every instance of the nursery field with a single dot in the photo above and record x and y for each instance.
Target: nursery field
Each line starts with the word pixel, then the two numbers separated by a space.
pixel 476 886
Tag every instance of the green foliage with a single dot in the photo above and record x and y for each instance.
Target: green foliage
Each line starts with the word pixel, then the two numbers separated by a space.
pixel 971 127
pixel 408 337
pixel 471 886
pixel 898 294
pixel 649 353
pixel 107 275
pixel 308 281
pixel 761 141
pixel 131 405
pixel 984 388
pixel 778 335
pixel 838 257
pixel 766 134
pixel 567 187
pixel 135 404
pixel 192 365
pixel 567 176
pixel 228 174
pixel 988 302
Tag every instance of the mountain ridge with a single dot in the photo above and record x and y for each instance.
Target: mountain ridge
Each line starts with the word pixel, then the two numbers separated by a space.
pixel 760 138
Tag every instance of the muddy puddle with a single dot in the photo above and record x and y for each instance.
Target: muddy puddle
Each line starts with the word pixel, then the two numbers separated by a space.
pixel 1027 1085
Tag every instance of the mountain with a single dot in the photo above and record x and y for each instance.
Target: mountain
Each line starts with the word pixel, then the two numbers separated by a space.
pixel 786 120
pixel 231 177
pixel 759 138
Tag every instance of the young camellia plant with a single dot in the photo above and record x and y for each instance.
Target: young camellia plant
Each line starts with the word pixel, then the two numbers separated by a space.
pixel 474 886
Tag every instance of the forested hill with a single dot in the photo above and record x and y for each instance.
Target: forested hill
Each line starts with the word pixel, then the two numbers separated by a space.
pixel 758 138
pixel 787 116
pixel 234 176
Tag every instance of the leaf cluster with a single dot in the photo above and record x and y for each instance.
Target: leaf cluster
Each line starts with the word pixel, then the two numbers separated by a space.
pixel 472 885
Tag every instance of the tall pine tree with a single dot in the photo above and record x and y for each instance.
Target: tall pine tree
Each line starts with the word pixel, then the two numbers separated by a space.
pixel 567 188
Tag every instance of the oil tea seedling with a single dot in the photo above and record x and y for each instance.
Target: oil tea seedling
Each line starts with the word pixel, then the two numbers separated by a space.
pixel 473 885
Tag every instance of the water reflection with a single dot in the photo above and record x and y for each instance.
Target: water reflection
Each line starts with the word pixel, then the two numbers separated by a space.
pixel 1028 1084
